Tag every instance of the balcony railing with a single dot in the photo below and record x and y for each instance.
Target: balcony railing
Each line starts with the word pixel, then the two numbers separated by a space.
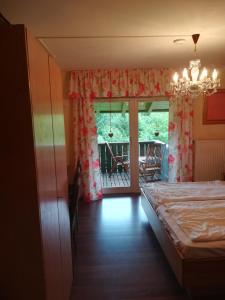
pixel 123 148
pixel 120 148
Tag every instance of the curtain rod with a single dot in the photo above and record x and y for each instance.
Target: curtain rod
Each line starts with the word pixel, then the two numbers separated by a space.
pixel 156 98
pixel 111 36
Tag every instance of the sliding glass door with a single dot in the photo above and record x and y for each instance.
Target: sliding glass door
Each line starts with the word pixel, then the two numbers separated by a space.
pixel 153 141
pixel 125 129
pixel 113 127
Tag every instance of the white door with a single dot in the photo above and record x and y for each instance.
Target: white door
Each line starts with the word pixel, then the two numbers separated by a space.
pixel 118 138
pixel 116 123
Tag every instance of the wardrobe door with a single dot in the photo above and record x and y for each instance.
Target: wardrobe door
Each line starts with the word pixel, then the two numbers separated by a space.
pixel 21 268
pixel 58 128
pixel 61 173
pixel 45 164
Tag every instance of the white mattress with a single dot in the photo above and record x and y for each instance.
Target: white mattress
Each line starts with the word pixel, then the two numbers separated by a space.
pixel 197 241
pixel 163 192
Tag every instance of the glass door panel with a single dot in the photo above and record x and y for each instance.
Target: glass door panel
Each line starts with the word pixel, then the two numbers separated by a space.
pixel 153 141
pixel 112 121
pixel 127 132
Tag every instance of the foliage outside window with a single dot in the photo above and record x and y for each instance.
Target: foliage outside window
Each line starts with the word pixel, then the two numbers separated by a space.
pixel 148 125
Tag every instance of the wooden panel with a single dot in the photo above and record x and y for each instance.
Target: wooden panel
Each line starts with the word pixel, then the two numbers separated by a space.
pixel 65 240
pixel 58 128
pixel 61 174
pixel 21 275
pixel 203 273
pixel 42 125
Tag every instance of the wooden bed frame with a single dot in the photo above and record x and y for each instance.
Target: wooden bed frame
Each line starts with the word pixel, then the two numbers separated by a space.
pixel 195 275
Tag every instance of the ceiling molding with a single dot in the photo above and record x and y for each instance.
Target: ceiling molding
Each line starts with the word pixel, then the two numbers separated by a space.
pixel 110 36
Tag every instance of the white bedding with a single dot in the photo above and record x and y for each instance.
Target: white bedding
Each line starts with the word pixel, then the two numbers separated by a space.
pixel 163 192
pixel 201 221
pixel 193 214
pixel 180 234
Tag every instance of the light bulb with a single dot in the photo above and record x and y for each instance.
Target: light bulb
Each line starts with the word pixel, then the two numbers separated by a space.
pixel 175 77
pixel 194 74
pixel 204 74
pixel 185 74
pixel 214 74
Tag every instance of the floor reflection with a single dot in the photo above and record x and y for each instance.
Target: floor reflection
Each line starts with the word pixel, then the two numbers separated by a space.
pixel 118 256
pixel 121 210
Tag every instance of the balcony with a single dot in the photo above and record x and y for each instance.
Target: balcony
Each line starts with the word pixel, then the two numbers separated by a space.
pixel 120 178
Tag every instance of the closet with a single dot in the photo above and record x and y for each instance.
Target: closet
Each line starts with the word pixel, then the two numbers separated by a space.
pixel 35 228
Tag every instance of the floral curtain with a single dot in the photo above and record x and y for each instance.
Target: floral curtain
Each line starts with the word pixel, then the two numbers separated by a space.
pixel 120 83
pixel 86 148
pixel 180 139
pixel 85 86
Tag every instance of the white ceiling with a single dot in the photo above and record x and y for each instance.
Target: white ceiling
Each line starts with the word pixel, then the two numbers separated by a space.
pixel 61 21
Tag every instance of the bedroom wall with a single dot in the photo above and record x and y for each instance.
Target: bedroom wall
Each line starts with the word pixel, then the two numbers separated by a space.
pixel 200 131
pixel 207 132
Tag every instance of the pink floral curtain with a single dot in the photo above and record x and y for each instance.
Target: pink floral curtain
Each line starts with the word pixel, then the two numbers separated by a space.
pixel 180 139
pixel 85 86
pixel 120 83
pixel 86 148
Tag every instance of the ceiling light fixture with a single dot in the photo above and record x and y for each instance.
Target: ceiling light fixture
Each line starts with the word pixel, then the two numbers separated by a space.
pixel 193 82
pixel 179 41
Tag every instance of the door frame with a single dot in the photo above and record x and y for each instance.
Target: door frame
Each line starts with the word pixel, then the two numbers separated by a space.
pixel 134 149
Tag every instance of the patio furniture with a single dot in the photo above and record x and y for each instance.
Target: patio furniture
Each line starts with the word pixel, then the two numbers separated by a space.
pixel 117 160
pixel 150 166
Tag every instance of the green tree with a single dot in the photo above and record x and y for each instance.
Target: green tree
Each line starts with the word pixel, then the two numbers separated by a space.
pixel 148 125
pixel 119 127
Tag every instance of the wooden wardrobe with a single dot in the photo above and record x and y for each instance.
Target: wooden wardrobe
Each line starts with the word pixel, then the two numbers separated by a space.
pixel 35 260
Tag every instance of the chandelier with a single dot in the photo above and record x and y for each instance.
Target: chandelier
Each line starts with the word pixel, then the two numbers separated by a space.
pixel 194 81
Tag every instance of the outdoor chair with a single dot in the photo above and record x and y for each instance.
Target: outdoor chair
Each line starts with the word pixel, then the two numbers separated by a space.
pixel 150 166
pixel 117 160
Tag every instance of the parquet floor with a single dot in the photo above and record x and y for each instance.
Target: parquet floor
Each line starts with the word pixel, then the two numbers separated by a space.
pixel 118 256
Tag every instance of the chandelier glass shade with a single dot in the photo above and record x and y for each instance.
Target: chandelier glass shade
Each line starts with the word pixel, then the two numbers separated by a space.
pixel 195 81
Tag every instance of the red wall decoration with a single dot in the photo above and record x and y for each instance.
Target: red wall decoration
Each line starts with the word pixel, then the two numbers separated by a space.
pixel 214 108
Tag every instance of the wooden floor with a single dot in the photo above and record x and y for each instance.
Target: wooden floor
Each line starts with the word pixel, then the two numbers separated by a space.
pixel 120 179
pixel 118 256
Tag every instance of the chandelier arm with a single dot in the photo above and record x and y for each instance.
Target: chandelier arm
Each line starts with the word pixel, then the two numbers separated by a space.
pixel 196 84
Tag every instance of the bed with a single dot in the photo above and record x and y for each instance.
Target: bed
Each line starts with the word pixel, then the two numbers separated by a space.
pixel 163 192
pixel 198 260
